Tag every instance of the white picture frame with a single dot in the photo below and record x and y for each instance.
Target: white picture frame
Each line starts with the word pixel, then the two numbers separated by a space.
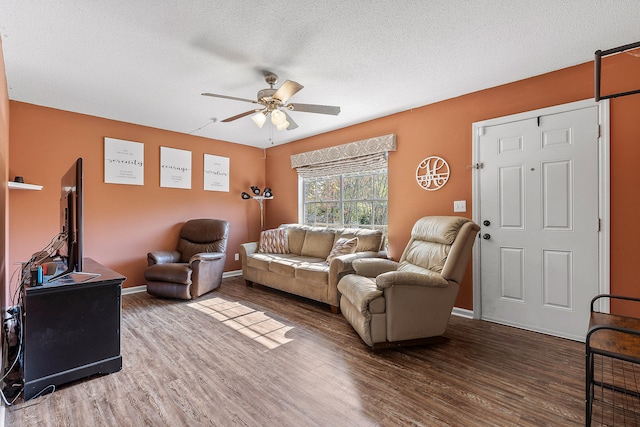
pixel 175 168
pixel 123 162
pixel 216 173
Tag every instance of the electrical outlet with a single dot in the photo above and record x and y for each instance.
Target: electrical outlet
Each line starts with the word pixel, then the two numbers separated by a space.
pixel 460 206
pixel 237 257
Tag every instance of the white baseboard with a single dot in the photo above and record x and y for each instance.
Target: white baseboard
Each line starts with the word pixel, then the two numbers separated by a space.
pixel 462 312
pixel 232 273
pixel 143 288
pixel 134 290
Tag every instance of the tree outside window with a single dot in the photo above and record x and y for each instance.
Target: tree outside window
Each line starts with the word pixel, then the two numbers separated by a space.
pixel 354 200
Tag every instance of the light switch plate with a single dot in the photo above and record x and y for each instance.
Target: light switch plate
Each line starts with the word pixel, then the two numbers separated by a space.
pixel 460 206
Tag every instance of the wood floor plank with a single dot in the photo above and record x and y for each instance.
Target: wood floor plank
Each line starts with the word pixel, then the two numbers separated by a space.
pixel 259 357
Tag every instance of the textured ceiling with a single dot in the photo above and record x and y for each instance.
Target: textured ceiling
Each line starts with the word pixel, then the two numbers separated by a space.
pixel 148 61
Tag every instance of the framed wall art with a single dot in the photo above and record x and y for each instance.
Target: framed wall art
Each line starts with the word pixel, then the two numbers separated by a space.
pixel 216 173
pixel 123 162
pixel 175 168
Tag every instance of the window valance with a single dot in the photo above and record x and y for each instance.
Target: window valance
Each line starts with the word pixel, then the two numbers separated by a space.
pixel 358 156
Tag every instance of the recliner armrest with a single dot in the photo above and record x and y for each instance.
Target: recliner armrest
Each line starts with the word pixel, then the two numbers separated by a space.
pixel 408 278
pixel 373 267
pixel 207 256
pixel 344 263
pixel 162 257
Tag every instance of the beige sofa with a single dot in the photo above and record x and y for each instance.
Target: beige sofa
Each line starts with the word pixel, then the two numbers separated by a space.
pixel 304 269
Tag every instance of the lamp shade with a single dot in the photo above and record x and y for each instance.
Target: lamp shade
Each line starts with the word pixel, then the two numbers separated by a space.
pixel 283 126
pixel 259 118
pixel 278 117
pixel 255 190
pixel 245 196
pixel 267 192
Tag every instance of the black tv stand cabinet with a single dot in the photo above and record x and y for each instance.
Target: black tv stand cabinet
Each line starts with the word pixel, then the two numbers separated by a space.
pixel 71 330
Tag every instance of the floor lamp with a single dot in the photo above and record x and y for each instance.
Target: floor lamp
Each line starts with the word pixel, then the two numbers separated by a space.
pixel 259 197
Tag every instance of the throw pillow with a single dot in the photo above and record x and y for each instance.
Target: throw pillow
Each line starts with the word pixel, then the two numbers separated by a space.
pixel 274 241
pixel 343 246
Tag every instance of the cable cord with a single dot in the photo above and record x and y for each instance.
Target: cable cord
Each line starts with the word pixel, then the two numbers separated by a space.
pixel 16 301
pixel 10 369
pixel 15 360
pixel 213 120
pixel 6 402
pixel 13 409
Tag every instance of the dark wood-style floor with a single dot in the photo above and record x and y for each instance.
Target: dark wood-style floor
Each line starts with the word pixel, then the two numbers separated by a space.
pixel 259 357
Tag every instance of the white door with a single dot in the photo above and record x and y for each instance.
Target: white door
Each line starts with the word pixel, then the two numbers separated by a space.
pixel 539 221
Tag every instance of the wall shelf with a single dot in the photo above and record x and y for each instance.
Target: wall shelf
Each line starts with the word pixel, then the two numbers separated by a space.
pixel 23 186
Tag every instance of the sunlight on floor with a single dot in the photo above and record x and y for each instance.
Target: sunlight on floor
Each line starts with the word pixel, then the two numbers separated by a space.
pixel 249 322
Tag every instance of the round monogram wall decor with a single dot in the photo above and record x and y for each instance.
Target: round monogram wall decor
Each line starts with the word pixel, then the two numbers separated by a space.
pixel 432 173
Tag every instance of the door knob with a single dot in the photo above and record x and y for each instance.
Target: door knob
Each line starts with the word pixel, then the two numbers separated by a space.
pixel 486 236
pixel 486 223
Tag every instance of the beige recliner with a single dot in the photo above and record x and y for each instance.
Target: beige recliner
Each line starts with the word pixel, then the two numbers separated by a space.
pixel 403 303
pixel 196 267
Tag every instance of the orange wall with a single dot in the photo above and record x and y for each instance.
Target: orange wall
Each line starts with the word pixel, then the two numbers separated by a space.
pixel 4 193
pixel 122 222
pixel 444 129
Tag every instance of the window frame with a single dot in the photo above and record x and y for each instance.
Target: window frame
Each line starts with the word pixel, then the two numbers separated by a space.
pixel 302 200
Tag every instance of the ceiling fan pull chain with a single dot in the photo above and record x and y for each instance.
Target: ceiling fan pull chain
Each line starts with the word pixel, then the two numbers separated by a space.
pixel 271 134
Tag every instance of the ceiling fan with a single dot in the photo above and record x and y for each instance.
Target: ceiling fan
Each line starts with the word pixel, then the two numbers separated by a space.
pixel 274 102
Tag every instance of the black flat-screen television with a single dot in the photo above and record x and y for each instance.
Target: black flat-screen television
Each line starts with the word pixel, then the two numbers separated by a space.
pixel 72 218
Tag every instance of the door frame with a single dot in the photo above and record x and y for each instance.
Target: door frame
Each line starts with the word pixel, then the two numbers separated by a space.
pixel 603 191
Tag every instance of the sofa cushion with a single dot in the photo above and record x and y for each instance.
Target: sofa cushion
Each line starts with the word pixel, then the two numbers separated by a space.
pixel 284 267
pixel 274 241
pixel 317 272
pixel 368 239
pixel 343 246
pixel 317 244
pixel 290 266
pixel 296 239
pixel 261 261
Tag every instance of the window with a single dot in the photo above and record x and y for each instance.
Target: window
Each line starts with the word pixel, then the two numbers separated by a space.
pixel 356 200
pixel 345 185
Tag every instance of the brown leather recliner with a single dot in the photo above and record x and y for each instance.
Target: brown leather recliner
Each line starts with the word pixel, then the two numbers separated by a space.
pixel 196 267
pixel 392 303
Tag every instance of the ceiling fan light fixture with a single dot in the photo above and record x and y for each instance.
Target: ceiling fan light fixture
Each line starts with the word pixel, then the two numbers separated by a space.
pixel 275 102
pixel 260 118
pixel 283 126
pixel 278 117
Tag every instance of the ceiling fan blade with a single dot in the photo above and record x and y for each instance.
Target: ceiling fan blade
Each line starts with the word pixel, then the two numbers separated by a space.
pixel 292 123
pixel 230 97
pixel 313 108
pixel 287 90
pixel 239 116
